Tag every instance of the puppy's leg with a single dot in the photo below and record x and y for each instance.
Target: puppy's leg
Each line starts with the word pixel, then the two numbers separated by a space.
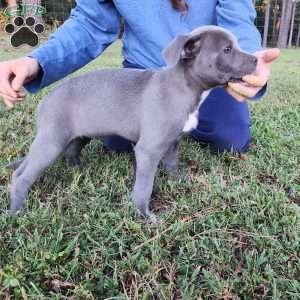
pixel 170 160
pixel 43 152
pixel 74 149
pixel 146 166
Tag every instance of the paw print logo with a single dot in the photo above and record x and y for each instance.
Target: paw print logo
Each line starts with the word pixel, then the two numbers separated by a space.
pixel 24 31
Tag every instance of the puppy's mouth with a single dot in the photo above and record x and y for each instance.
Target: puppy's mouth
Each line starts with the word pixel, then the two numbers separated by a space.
pixel 236 79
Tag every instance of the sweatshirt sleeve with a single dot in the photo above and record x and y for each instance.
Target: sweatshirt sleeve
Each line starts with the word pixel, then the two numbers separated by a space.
pixel 92 26
pixel 238 17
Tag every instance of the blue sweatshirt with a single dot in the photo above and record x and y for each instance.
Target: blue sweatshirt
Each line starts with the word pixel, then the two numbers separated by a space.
pixel 149 26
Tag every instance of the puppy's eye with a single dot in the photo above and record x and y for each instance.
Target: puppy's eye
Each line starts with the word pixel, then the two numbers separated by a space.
pixel 228 49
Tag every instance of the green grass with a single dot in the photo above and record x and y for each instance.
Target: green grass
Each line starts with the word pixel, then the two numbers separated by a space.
pixel 230 232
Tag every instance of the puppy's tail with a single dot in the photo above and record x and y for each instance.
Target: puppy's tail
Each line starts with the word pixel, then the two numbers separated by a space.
pixel 14 165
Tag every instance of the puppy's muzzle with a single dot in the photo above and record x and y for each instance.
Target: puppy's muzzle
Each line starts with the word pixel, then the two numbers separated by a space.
pixel 252 62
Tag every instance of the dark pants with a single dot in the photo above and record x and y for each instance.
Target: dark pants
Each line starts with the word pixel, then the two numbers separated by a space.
pixel 223 123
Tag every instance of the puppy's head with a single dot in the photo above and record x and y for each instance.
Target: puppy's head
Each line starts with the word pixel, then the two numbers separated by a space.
pixel 212 55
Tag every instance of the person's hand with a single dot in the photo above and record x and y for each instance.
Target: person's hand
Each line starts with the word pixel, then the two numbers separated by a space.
pixel 13 75
pixel 253 83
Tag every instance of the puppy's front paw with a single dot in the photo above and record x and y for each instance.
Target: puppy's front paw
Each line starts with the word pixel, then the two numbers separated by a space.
pixel 148 216
pixel 152 218
pixel 16 209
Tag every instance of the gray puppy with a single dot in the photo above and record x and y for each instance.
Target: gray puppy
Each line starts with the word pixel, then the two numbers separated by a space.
pixel 150 108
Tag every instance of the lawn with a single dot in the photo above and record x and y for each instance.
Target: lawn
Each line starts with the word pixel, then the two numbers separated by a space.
pixel 229 232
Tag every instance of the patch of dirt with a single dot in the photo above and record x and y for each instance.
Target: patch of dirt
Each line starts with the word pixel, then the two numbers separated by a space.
pixel 228 202
pixel 269 179
pixel 296 199
pixel 160 202
pixel 296 181
pixel 292 195
pixel 193 166
pixel 261 291
pixel 58 285
pixel 227 295
pixel 242 244
pixel 129 284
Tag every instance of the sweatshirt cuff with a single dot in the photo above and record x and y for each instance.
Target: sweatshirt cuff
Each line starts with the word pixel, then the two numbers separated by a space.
pixel 260 94
pixel 39 82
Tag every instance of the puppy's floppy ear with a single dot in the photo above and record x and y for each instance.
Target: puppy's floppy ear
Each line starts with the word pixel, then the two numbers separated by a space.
pixel 191 48
pixel 173 52
pixel 183 46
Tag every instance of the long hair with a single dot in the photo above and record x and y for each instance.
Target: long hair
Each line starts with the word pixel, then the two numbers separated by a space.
pixel 180 5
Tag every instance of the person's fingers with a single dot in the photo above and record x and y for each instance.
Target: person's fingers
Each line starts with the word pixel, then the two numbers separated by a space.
pixel 9 103
pixel 13 75
pixel 13 99
pixel 18 81
pixel 21 94
pixel 20 99
pixel 244 90
pixel 258 81
pixel 235 95
pixel 269 55
pixel 5 86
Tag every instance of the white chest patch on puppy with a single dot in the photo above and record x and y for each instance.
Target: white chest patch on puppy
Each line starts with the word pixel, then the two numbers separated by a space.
pixel 192 121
